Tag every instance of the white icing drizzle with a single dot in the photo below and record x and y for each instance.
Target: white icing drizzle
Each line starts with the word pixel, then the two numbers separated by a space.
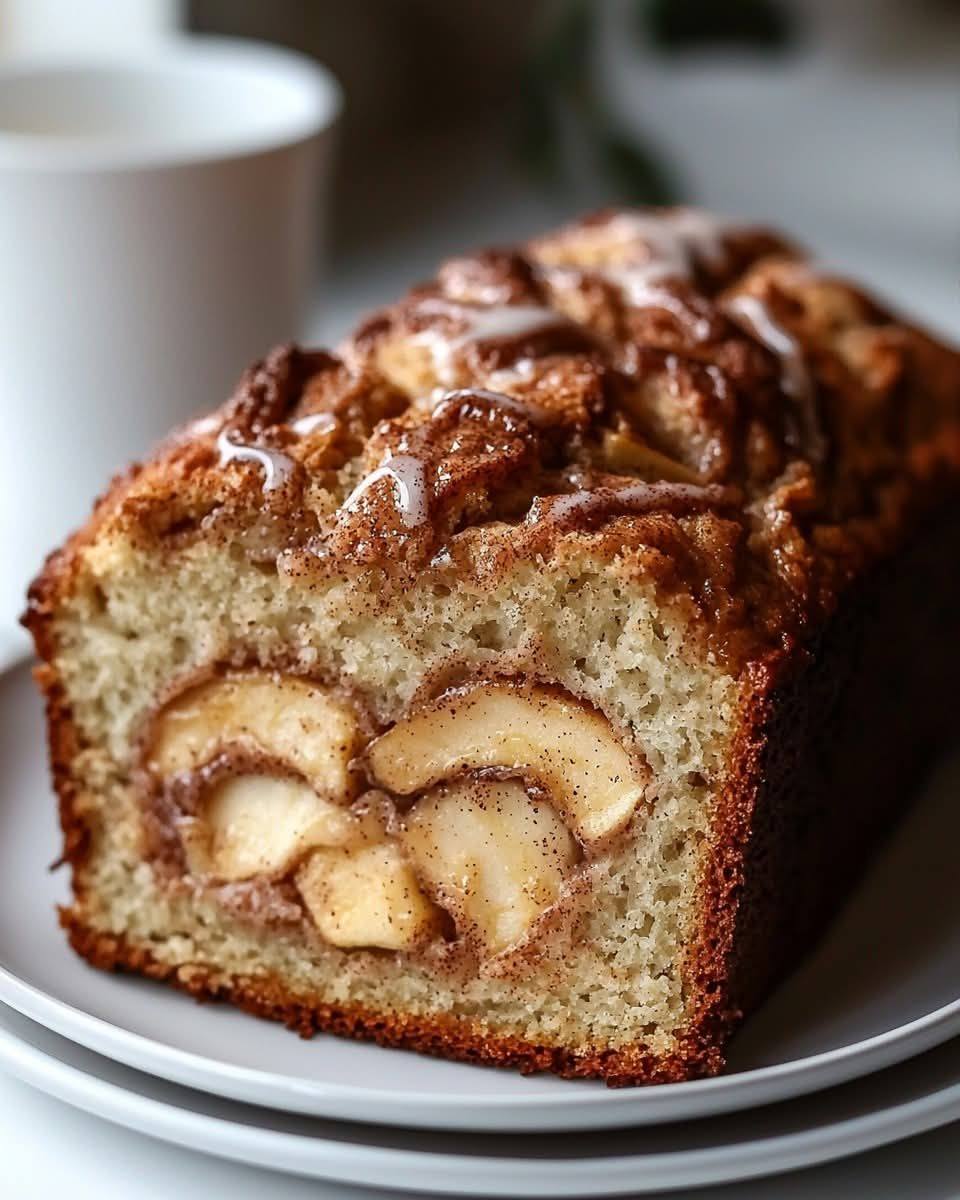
pixel 522 371
pixel 638 498
pixel 406 475
pixel 534 413
pixel 312 422
pixel 795 379
pixel 673 242
pixel 276 466
pixel 754 315
pixel 641 285
pixel 482 325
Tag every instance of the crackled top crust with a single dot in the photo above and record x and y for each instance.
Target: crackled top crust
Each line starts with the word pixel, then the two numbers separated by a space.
pixel 687 400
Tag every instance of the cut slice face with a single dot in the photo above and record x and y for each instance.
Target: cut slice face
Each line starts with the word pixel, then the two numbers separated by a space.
pixel 491 856
pixel 367 896
pixel 261 825
pixel 284 717
pixel 531 730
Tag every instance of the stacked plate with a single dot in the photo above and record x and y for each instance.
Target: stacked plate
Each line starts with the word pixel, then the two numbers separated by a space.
pixel 853 1052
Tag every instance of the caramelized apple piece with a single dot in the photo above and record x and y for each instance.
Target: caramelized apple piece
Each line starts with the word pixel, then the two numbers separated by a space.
pixel 534 731
pixel 367 896
pixel 491 856
pixel 623 451
pixel 281 716
pixel 261 825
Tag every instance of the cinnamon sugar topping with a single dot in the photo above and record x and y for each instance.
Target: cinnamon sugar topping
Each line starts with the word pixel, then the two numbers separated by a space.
pixel 597 410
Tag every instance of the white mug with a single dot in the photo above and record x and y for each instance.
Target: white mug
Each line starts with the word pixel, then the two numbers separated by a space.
pixel 159 222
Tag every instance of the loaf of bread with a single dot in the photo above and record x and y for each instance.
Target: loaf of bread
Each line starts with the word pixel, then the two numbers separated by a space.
pixel 528 681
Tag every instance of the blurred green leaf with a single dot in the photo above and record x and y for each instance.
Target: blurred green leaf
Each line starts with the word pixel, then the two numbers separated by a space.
pixel 538 142
pixel 561 104
pixel 562 54
pixel 638 173
pixel 676 25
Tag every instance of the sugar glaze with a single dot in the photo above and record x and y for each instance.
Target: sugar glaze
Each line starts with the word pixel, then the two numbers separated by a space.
pixel 277 466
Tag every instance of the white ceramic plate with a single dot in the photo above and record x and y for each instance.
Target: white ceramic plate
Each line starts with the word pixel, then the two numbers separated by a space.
pixel 14 645
pixel 881 989
pixel 895 1104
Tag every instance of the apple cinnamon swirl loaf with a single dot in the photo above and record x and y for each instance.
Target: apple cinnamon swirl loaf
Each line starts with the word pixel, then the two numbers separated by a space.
pixel 527 681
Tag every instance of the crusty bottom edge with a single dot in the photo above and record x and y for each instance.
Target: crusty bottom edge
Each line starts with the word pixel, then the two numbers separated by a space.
pixel 438 1037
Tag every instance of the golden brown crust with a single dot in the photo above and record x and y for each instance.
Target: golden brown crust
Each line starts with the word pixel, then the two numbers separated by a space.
pixel 439 1037
pixel 790 430
pixel 716 1009
pixel 834 743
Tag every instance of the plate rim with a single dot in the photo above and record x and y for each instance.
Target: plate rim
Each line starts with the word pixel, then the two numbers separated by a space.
pixel 570 1109
pixel 362 1162
pixel 609 1109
